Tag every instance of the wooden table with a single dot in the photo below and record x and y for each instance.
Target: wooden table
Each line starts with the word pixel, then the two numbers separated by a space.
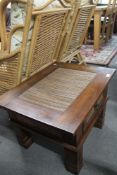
pixel 69 127
pixel 97 25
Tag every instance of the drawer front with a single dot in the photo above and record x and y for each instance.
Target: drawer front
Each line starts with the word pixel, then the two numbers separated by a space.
pixel 95 112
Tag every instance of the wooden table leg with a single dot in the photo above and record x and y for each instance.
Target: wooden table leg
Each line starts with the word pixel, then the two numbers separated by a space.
pixel 25 139
pixel 97 28
pixel 100 122
pixel 74 160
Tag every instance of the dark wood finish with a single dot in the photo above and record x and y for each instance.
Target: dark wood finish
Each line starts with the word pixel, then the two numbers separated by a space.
pixel 100 122
pixel 69 128
pixel 25 139
pixel 74 160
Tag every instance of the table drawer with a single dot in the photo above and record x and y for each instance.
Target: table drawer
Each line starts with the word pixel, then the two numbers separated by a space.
pixel 94 113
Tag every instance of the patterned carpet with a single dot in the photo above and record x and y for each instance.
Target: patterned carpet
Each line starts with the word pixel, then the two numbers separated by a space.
pixel 103 56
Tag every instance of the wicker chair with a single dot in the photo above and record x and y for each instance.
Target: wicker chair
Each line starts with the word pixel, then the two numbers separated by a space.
pixel 44 25
pixel 78 24
pixel 7 21
pixel 107 21
pixel 11 60
pixel 48 27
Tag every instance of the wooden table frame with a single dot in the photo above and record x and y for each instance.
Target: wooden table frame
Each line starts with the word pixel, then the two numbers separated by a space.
pixel 97 25
pixel 73 125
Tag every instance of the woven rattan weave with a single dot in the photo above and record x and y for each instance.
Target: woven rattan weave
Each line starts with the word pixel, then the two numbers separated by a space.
pixel 11 61
pixel 45 39
pixel 9 72
pixel 58 89
pixel 76 32
pixel 44 25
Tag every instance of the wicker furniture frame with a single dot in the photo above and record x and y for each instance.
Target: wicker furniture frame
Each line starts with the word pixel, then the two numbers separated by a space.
pixel 76 31
pixel 11 61
pixel 109 19
pixel 35 105
pixel 0 31
pixel 44 42
pixel 99 35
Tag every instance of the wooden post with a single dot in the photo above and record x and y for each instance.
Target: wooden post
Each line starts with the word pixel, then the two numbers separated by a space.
pixel 25 139
pixel 74 160
pixel 97 28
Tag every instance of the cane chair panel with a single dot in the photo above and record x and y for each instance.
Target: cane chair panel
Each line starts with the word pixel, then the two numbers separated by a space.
pixel 80 28
pixel 78 32
pixel 46 34
pixel 18 16
pixel 9 72
pixel 37 32
pixel 11 61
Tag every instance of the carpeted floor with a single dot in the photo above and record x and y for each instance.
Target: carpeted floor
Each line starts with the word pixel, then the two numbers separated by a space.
pixel 103 56
pixel 46 158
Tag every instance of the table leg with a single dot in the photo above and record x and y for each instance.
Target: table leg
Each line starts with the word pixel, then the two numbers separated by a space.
pixel 97 28
pixel 25 139
pixel 74 160
pixel 100 122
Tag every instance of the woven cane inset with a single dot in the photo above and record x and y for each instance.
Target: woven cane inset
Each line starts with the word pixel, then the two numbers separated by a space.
pixel 46 42
pixel 9 73
pixel 80 28
pixel 59 89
